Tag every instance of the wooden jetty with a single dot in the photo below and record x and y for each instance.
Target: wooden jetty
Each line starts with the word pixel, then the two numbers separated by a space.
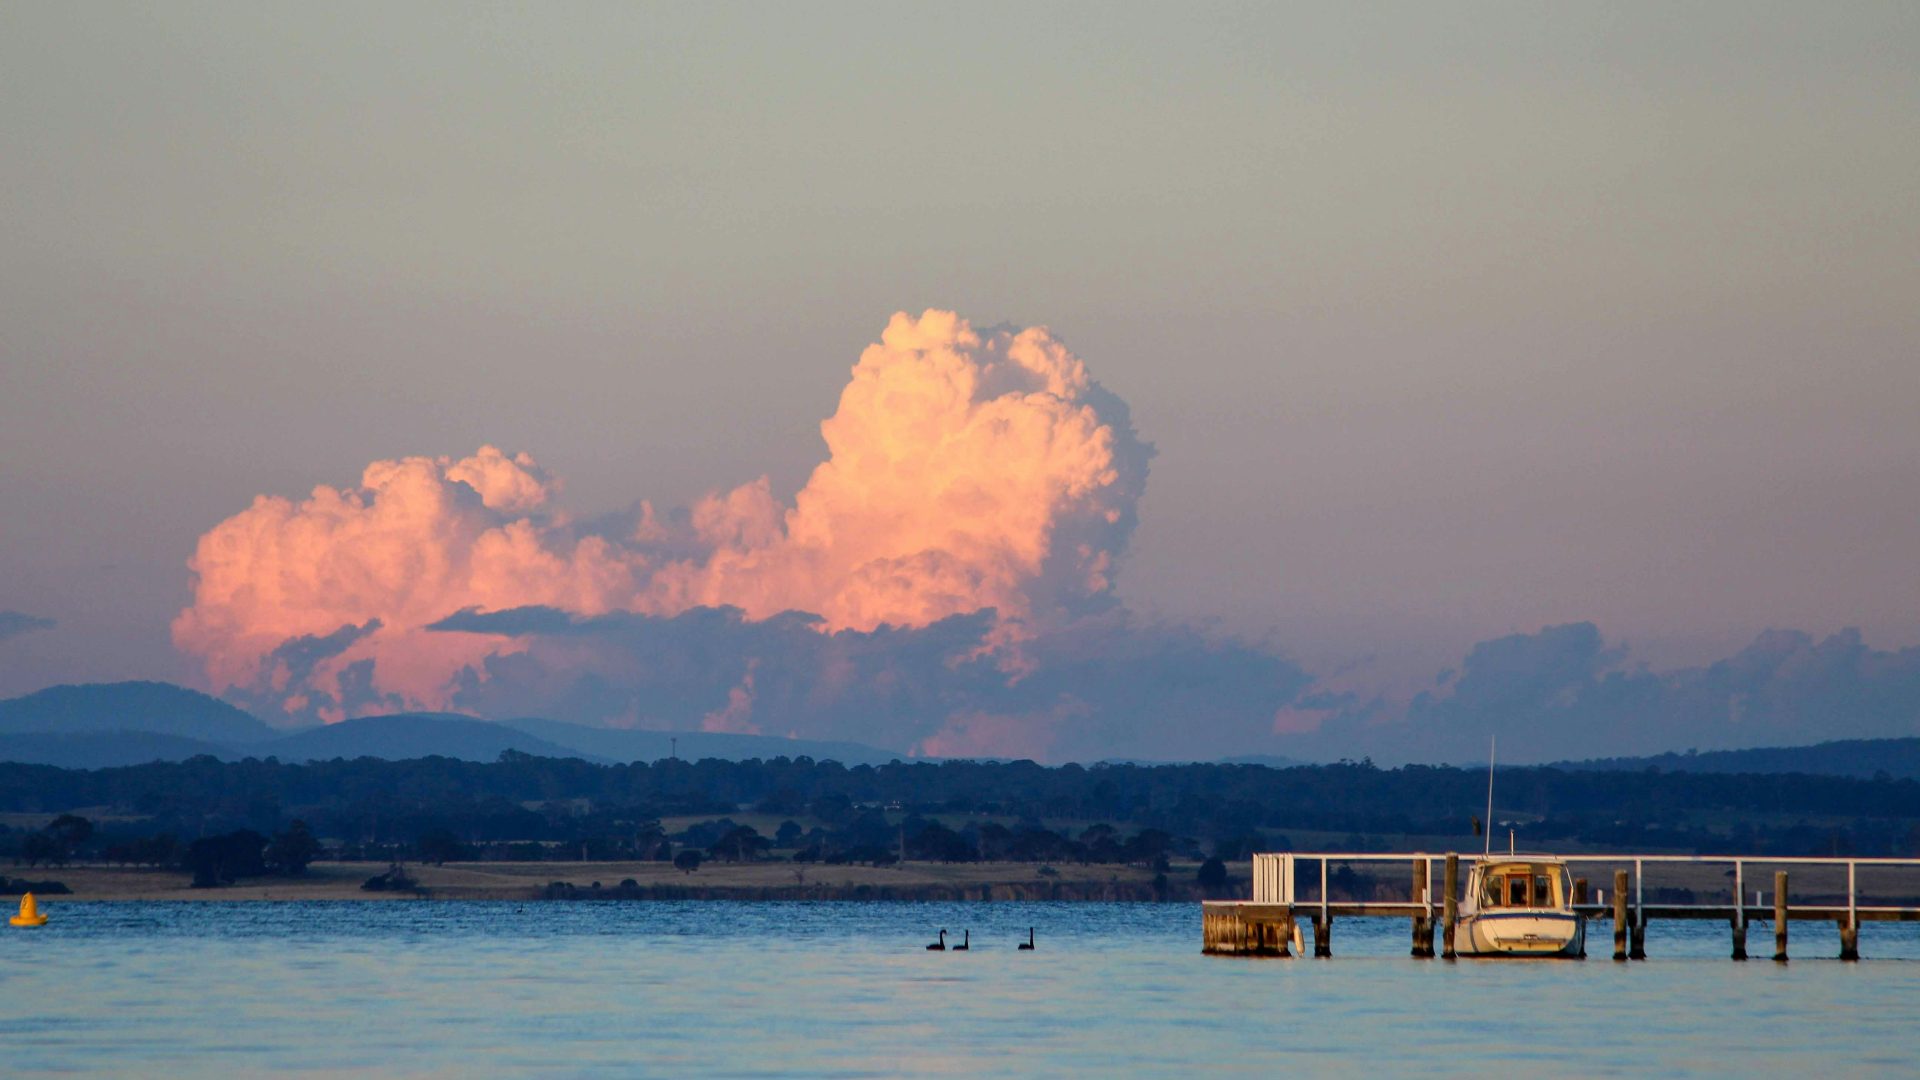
pixel 1283 905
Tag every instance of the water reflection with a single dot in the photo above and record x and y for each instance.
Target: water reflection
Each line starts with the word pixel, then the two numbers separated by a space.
pixel 847 989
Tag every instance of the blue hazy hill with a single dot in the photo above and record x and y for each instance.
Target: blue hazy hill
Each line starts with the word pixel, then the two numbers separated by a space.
pixel 1863 758
pixel 411 735
pixel 110 724
pixel 155 707
pixel 104 749
pixel 633 744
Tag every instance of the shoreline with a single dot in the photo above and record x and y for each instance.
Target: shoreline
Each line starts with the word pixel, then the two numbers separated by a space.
pixel 576 881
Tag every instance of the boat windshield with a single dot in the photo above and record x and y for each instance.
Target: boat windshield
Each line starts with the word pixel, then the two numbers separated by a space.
pixel 1524 885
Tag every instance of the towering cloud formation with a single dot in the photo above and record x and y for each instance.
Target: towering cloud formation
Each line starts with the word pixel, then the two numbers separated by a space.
pixel 966 472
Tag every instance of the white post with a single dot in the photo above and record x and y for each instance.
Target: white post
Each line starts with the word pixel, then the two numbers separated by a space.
pixel 1739 894
pixel 1323 890
pixel 1853 914
pixel 1639 895
pixel 1428 893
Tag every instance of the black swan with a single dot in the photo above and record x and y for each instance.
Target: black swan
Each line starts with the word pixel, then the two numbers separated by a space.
pixel 1027 945
pixel 941 945
pixel 966 936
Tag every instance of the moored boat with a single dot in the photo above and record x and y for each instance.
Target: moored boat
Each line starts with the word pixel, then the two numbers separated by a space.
pixel 1520 905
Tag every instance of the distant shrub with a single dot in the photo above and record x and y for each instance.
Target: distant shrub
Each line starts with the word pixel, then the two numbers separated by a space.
pixel 1212 875
pixel 16 886
pixel 396 879
pixel 441 846
pixel 289 852
pixel 224 859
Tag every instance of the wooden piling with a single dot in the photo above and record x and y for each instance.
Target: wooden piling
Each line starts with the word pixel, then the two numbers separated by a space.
pixel 1450 909
pixel 1619 914
pixel 1739 937
pixel 1637 935
pixel 1422 925
pixel 1780 916
pixel 1580 896
pixel 1323 936
pixel 1850 926
pixel 1215 932
pixel 1246 930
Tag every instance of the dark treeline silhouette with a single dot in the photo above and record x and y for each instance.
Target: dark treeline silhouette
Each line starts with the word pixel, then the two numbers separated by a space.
pixel 524 807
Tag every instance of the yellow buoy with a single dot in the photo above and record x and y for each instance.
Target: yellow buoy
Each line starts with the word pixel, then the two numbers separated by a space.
pixel 29 913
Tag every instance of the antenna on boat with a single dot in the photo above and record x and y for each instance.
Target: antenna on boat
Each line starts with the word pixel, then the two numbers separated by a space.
pixel 1493 743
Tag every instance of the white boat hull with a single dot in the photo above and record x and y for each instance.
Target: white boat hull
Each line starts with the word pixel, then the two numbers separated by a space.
pixel 1522 933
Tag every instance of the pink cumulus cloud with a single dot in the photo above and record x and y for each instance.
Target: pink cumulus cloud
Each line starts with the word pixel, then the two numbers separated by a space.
pixel 966 470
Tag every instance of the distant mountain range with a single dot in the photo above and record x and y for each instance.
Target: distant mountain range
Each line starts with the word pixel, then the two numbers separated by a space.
pixel 101 725
pixel 160 708
pixel 1864 758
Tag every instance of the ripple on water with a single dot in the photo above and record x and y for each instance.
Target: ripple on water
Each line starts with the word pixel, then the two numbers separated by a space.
pixel 847 990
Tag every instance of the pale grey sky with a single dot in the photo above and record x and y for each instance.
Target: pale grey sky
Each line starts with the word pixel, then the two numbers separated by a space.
pixel 1447 320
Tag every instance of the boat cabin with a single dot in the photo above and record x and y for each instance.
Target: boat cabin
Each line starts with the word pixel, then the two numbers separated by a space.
pixel 1522 884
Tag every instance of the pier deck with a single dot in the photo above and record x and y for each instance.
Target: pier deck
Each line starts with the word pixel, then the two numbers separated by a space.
pixel 1283 905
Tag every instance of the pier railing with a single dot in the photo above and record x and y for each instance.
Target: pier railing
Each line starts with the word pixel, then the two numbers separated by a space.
pixel 1277 877
pixel 1292 887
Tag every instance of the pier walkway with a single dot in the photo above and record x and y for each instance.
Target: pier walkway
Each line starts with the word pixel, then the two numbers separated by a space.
pixel 1627 890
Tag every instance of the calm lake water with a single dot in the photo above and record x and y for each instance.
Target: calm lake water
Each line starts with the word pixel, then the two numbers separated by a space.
pixel 842 989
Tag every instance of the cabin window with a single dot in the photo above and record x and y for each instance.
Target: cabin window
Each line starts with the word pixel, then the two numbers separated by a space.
pixel 1505 890
pixel 1533 886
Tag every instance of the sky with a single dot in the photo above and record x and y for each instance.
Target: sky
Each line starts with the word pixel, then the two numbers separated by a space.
pixel 1411 330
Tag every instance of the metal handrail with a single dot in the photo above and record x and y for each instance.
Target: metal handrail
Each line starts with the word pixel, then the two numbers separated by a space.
pixel 1766 860
pixel 1286 881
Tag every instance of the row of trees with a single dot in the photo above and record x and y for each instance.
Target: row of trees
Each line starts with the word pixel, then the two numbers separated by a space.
pixel 56 843
pixel 872 837
pixel 226 858
pixel 527 807
pixel 212 860
pixel 867 836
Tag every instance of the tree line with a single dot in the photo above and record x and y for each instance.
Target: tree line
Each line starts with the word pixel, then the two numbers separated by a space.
pixel 525 807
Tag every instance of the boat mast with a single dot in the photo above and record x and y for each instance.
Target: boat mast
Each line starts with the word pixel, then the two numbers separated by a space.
pixel 1493 743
